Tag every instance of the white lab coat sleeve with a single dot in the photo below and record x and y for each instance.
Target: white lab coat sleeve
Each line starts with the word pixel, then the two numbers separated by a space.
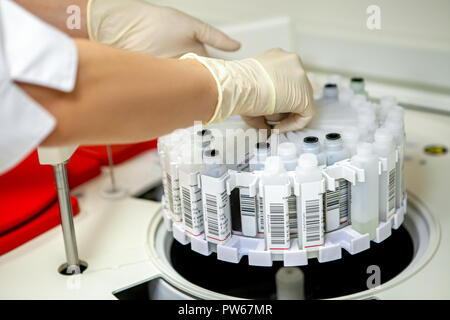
pixel 33 52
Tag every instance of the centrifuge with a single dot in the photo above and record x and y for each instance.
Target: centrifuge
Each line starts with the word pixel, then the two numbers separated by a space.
pixel 133 247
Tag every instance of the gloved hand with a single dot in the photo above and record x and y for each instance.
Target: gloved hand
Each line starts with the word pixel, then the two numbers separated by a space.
pixel 138 26
pixel 271 83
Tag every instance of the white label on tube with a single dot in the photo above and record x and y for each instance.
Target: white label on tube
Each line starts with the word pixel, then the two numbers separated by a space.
pixel 248 213
pixel 344 201
pixel 176 201
pixel 260 215
pixel 277 218
pixel 191 208
pixel 391 193
pixel 312 223
pixel 292 206
pixel 311 215
pixel 331 200
pixel 169 192
pixel 216 209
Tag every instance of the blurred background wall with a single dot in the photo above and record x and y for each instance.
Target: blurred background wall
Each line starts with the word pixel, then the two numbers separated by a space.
pixel 412 47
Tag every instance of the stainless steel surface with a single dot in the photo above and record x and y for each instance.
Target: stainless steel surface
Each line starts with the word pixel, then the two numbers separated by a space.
pixel 65 207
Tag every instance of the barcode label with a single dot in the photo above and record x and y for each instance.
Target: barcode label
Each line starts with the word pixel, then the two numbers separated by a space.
pixel 337 206
pixel 312 215
pixel 278 226
pixel 344 203
pixel 169 192
pixel 217 211
pixel 260 215
pixel 331 205
pixel 192 210
pixel 176 201
pixel 292 207
pixel 248 213
pixel 391 193
pixel 248 205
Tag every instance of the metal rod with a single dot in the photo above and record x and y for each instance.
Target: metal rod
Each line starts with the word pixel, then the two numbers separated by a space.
pixel 111 168
pixel 65 207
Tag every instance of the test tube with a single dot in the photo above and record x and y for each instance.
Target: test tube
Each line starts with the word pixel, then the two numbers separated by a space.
pixel 216 202
pixel 357 84
pixel 364 205
pixel 350 136
pixel 275 189
pixel 309 204
pixel 337 203
pixel 384 147
pixel 311 144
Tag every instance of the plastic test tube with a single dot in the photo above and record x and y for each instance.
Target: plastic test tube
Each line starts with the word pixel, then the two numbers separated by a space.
pixel 358 85
pixel 287 151
pixel 384 147
pixel 309 203
pixel 396 128
pixel 364 204
pixel 311 144
pixel 350 136
pixel 216 203
pixel 330 93
pixel 190 192
pixel 337 204
pixel 274 185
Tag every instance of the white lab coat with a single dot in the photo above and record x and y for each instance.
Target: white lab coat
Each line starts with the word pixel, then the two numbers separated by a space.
pixel 32 52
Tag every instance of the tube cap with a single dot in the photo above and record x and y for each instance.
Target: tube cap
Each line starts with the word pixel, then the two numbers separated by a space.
pixel 287 150
pixel 212 156
pixel 358 100
pixel 333 136
pixel 383 135
pixel 350 133
pixel 307 160
pixel 273 165
pixel 364 149
pixel 388 101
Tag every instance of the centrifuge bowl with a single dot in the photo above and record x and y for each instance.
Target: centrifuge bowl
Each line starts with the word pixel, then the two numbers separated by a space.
pixel 419 223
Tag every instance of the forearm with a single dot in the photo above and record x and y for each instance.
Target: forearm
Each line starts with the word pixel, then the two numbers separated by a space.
pixel 54 12
pixel 125 97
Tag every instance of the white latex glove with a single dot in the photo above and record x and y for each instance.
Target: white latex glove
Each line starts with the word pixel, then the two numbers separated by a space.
pixel 272 83
pixel 138 26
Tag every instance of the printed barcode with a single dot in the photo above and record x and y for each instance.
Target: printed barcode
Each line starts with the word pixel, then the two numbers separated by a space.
pixel 277 224
pixel 391 190
pixel 212 215
pixel 248 205
pixel 332 200
pixel 344 205
pixel 292 209
pixel 186 207
pixel 312 220
pixel 261 214
pixel 169 189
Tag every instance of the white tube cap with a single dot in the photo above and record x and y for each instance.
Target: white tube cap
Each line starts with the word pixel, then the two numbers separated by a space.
pixel 273 165
pixel 287 150
pixel 364 149
pixel 388 101
pixel 307 160
pixel 350 133
pixel 383 135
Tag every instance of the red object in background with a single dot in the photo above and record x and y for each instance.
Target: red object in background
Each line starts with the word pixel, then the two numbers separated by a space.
pixel 81 169
pixel 120 153
pixel 28 199
pixel 25 191
pixel 29 188
pixel 34 227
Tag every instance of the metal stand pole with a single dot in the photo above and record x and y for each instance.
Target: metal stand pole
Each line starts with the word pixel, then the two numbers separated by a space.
pixel 65 207
pixel 111 168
